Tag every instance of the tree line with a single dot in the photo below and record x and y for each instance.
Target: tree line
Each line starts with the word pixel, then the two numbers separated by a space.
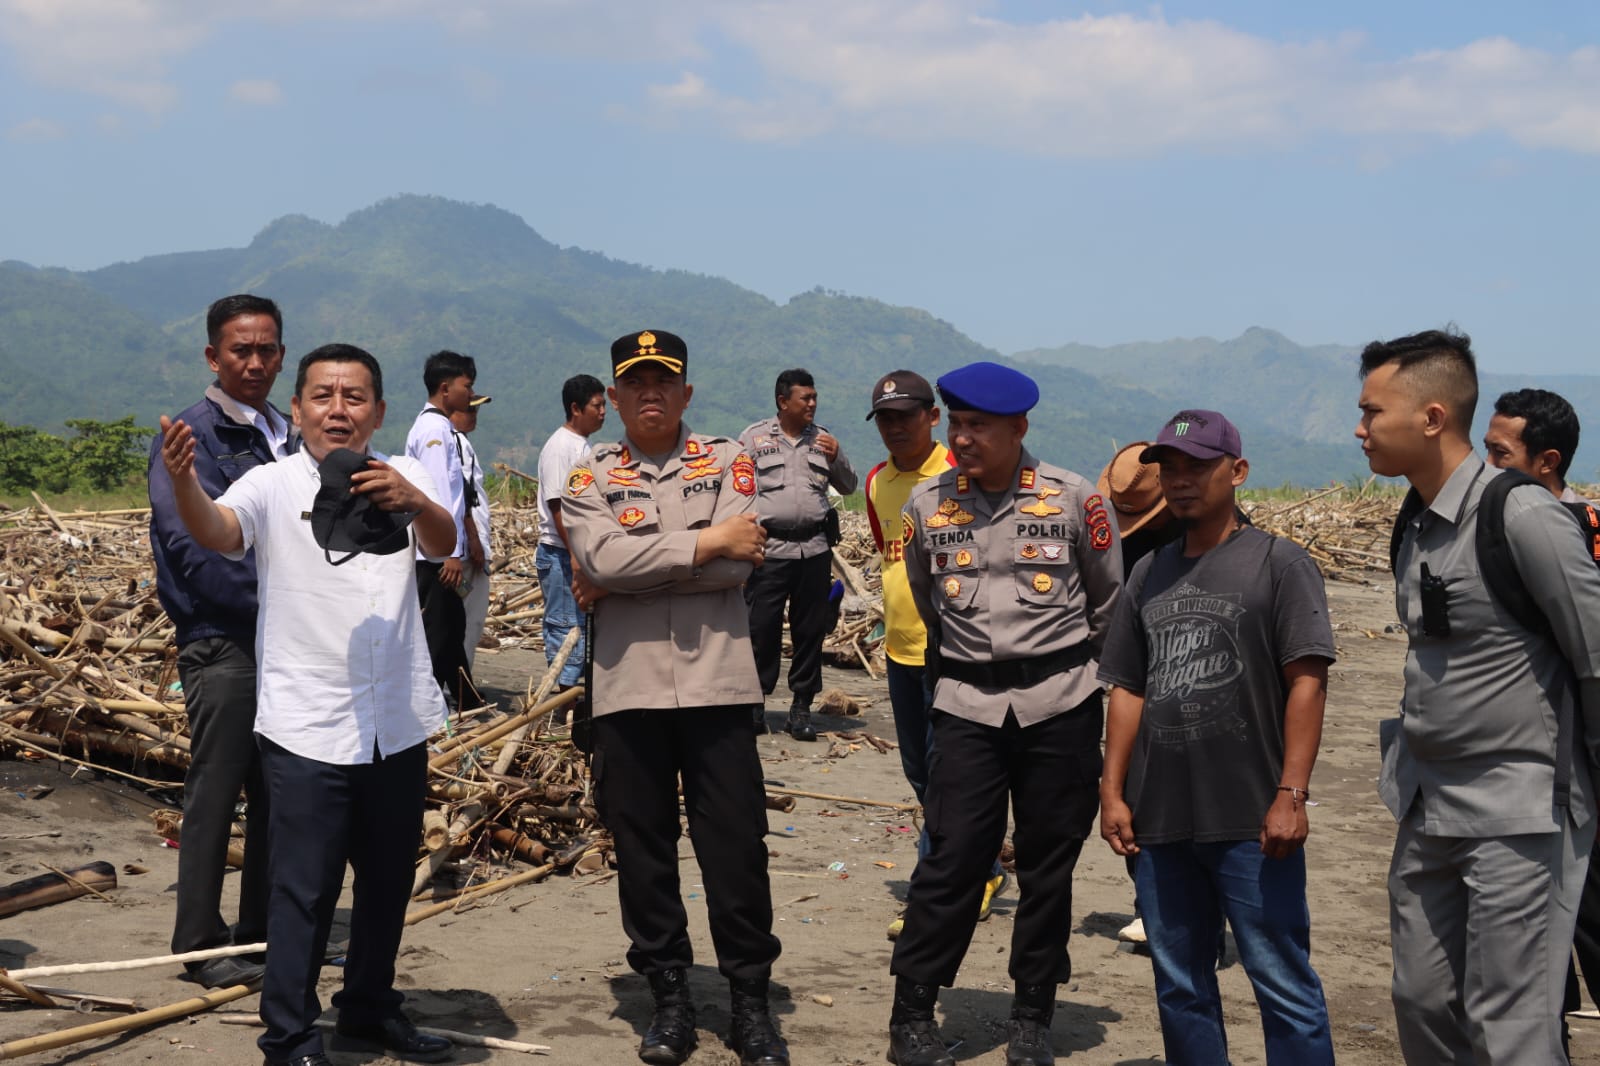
pixel 98 457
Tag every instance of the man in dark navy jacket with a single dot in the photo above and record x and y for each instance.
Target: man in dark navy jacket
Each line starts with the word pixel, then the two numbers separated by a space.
pixel 212 602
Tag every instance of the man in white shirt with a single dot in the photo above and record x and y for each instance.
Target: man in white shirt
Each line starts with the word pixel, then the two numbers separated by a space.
pixel 583 398
pixel 476 579
pixel 449 378
pixel 345 704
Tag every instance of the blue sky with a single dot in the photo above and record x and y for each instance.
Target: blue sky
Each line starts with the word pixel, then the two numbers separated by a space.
pixel 1034 173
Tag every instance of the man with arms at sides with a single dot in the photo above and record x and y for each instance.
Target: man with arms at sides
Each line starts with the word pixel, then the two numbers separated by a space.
pixel 796 462
pixel 1495 819
pixel 212 603
pixel 476 578
pixel 903 408
pixel 449 378
pixel 1536 431
pixel 346 702
pixel 663 532
pixel 1014 568
pixel 583 398
pixel 1218 665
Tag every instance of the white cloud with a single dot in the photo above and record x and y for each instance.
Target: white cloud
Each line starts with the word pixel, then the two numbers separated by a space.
pixel 36 129
pixel 921 71
pixel 260 92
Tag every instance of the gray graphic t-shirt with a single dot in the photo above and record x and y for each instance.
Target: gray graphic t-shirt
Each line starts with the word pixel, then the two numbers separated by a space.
pixel 1205 640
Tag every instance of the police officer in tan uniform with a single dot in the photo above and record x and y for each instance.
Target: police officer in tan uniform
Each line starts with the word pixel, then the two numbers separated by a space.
pixel 663 533
pixel 1015 567
pixel 796 463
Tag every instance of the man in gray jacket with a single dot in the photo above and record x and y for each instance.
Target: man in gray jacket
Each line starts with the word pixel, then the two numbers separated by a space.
pixel 1495 810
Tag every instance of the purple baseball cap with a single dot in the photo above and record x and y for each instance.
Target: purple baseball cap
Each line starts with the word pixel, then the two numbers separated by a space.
pixel 1202 434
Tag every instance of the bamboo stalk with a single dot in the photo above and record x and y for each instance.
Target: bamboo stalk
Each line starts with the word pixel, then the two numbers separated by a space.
pixel 490 736
pixel 496 1043
pixel 16 1049
pixel 470 814
pixel 502 762
pixel 843 799
pixel 118 965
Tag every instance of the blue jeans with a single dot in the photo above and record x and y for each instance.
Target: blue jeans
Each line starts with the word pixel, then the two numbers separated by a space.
pixel 1180 887
pixel 554 568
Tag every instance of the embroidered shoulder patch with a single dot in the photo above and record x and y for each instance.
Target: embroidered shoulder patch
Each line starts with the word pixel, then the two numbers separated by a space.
pixel 744 475
pixel 580 478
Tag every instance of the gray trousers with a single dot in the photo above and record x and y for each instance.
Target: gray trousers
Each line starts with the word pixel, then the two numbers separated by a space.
pixel 1481 930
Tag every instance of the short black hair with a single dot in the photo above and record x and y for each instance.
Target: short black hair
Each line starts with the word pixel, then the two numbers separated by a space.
pixel 577 391
pixel 340 353
pixel 1548 422
pixel 1438 365
pixel 789 379
pixel 229 308
pixel 443 366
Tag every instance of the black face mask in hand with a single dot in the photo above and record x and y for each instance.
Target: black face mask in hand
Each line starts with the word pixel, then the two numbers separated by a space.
pixel 347 522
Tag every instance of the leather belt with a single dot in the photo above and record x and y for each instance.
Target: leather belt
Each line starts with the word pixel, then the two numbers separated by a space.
pixel 795 534
pixel 1016 673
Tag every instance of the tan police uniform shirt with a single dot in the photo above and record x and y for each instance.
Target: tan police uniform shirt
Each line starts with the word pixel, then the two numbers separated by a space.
pixel 793 480
pixel 1038 574
pixel 670 634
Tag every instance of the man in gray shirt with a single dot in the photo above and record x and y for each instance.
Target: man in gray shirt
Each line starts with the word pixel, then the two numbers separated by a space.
pixel 1496 813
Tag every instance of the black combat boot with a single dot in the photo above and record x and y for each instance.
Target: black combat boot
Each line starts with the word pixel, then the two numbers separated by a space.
pixel 753 1035
pixel 671 1036
pixel 1032 1008
pixel 800 726
pixel 913 1038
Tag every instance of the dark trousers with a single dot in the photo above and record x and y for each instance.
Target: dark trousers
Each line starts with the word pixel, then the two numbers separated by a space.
pixel 638 758
pixel 322 816
pixel 219 693
pixel 1050 773
pixel 804 585
pixel 1586 941
pixel 444 623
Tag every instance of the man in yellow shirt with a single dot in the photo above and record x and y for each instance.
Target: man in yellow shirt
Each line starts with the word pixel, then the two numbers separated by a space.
pixel 903 408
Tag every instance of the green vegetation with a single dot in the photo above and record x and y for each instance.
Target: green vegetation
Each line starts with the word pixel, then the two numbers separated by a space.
pixel 101 457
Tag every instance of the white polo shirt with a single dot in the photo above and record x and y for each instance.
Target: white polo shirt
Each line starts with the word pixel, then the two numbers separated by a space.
pixel 342 663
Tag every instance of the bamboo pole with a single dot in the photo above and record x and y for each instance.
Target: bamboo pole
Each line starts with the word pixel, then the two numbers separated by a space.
pixel 454 754
pixel 508 751
pixel 32 1045
pixel 470 814
pixel 57 886
pixel 116 966
pixel 774 789
pixel 489 888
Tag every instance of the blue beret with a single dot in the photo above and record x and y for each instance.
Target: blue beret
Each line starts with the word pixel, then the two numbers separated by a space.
pixel 989 387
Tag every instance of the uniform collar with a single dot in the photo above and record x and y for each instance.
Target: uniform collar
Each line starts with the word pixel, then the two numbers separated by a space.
pixel 688 447
pixel 1451 501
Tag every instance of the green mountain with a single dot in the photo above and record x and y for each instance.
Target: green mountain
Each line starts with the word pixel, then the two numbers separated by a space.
pixel 413 274
pixel 1266 382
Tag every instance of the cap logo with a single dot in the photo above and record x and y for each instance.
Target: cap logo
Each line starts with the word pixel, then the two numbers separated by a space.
pixel 1180 428
pixel 1181 422
pixel 888 386
pixel 647 344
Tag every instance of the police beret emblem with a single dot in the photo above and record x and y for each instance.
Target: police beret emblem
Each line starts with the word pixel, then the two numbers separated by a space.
pixel 631 517
pixel 744 475
pixel 952 587
pixel 580 478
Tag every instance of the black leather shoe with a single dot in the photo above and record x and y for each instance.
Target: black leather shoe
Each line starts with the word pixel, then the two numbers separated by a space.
pixel 916 1042
pixel 671 1035
pixel 319 1059
pixel 800 726
pixel 1030 1043
pixel 400 1037
pixel 227 971
pixel 753 1035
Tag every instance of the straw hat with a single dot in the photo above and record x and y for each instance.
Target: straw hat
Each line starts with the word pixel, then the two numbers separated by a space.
pixel 1133 489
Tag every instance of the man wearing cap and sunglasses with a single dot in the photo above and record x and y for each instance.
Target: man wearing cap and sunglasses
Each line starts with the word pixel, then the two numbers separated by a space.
pixel 1218 660
pixel 663 532
pixel 1014 568
pixel 346 695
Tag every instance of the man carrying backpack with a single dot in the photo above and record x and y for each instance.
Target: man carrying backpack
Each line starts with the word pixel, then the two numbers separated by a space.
pixel 1485 769
pixel 1536 431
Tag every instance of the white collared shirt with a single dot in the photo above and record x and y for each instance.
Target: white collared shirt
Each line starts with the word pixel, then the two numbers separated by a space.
pixel 272 425
pixel 342 663
pixel 432 442
pixel 472 472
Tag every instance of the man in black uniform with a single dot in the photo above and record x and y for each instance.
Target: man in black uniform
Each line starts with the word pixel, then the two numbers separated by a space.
pixel 663 534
